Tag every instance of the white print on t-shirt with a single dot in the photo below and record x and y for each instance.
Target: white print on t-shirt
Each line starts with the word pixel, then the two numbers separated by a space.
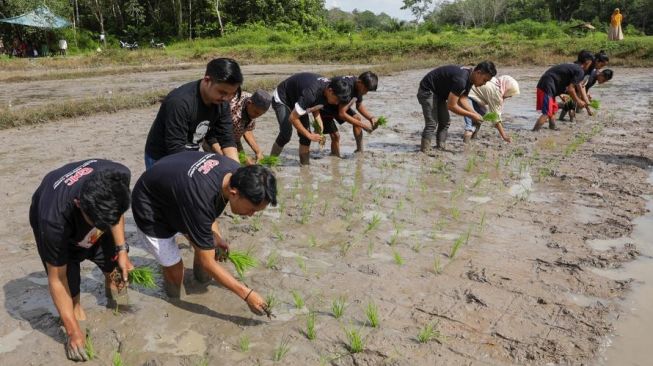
pixel 204 165
pixel 200 131
pixel 74 175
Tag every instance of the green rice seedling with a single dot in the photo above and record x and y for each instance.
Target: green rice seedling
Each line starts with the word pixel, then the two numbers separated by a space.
pixel 381 121
pixel 297 298
pixel 354 192
pixel 397 257
pixel 417 247
pixel 325 208
pixel 481 224
pixel 301 263
pixel 312 241
pixel 242 158
pixel 372 313
pixel 460 190
pixel 394 238
pixel 456 246
pixel 272 261
pixel 142 276
pixel 491 117
pixel 271 302
pixel 428 333
pixel 455 213
pixel 256 223
pixel 117 359
pixel 437 266
pixel 203 362
pixel 471 164
pixel 479 180
pixel 354 340
pixel 595 103
pixel 338 307
pixel 373 224
pixel 311 334
pixel 89 347
pixel 277 233
pixel 243 343
pixel 281 350
pixel 270 161
pixel 242 261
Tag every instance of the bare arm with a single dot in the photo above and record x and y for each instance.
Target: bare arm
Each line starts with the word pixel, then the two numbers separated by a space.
pixel 360 107
pixel 294 119
pixel 343 115
pixel 251 141
pixel 454 103
pixel 118 233
pixel 571 90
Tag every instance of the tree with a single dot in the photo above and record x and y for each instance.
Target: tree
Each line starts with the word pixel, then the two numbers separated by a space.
pixel 419 8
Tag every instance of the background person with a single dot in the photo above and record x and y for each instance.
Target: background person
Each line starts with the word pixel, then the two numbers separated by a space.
pixel 615 33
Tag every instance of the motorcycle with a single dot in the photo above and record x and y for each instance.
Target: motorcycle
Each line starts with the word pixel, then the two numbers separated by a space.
pixel 157 44
pixel 129 46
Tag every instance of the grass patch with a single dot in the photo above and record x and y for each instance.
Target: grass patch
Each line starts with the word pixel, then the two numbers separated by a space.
pixel 372 313
pixel 298 299
pixel 281 350
pixel 311 334
pixel 428 333
pixel 338 307
pixel 243 343
pixel 373 224
pixel 399 260
pixel 355 342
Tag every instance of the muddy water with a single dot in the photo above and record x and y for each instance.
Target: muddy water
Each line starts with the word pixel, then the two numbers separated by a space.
pixel 378 227
pixel 631 343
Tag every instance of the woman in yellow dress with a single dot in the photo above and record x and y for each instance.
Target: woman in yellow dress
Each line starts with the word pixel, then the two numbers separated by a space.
pixel 615 33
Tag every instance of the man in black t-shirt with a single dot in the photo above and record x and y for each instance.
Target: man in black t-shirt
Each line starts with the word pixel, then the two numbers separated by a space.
pixel 360 86
pixel 197 110
pixel 185 193
pixel 563 78
pixel 445 89
pixel 77 214
pixel 299 95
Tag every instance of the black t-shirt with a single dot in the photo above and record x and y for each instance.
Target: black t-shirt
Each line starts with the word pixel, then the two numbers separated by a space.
pixel 448 79
pixel 591 79
pixel 57 222
pixel 182 193
pixel 556 79
pixel 303 91
pixel 184 120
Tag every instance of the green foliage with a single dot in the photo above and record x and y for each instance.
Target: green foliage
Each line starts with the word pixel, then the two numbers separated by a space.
pixel 372 313
pixel 428 333
pixel 373 224
pixel 117 359
pixel 311 334
pixel 142 276
pixel 242 261
pixel 270 161
pixel 381 121
pixel 281 350
pixel 354 340
pixel 491 117
pixel 338 307
pixel 243 343
pixel 89 347
pixel 272 261
pixel 297 298
pixel 595 103
pixel 397 258
pixel 242 157
pixel 271 302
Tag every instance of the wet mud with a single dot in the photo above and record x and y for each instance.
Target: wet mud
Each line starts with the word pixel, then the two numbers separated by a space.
pixel 493 244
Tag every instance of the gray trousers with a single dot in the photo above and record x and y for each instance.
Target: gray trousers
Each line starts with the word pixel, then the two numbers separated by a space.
pixel 285 126
pixel 436 115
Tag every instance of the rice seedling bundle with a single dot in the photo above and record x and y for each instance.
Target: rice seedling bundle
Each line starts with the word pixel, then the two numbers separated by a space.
pixel 242 261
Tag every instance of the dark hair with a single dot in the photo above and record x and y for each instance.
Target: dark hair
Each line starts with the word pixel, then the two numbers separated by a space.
pixel 225 70
pixel 584 56
pixel 341 89
pixel 602 56
pixel 607 74
pixel 370 80
pixel 104 197
pixel 257 183
pixel 487 67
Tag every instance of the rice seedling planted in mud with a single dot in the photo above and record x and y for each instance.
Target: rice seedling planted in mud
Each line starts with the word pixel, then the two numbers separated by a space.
pixel 281 350
pixel 272 261
pixel 89 347
pixel 455 213
pixel 471 164
pixel 271 302
pixel 373 224
pixel 397 257
pixel 311 334
pixel 338 307
pixel 372 313
pixel 243 343
pixel 298 299
pixel 437 266
pixel 117 359
pixel 428 333
pixel 142 276
pixel 354 340
pixel 242 261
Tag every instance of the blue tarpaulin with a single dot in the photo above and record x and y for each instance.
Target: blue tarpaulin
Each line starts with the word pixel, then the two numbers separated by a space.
pixel 40 17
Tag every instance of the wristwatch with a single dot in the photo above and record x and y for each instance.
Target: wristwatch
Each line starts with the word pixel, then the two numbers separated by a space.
pixel 120 248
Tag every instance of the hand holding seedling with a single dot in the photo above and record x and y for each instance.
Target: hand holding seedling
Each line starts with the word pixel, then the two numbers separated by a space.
pixel 256 303
pixel 75 350
pixel 125 266
pixel 222 249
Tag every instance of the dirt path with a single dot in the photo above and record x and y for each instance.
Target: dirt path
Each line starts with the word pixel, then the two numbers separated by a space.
pixel 39 92
pixel 521 289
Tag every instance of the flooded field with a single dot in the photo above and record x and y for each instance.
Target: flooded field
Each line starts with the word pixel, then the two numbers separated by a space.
pixel 536 252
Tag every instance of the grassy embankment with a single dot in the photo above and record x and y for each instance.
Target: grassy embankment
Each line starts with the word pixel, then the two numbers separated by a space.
pixel 390 52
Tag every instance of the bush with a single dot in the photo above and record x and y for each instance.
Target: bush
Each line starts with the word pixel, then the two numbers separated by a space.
pixel 533 30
